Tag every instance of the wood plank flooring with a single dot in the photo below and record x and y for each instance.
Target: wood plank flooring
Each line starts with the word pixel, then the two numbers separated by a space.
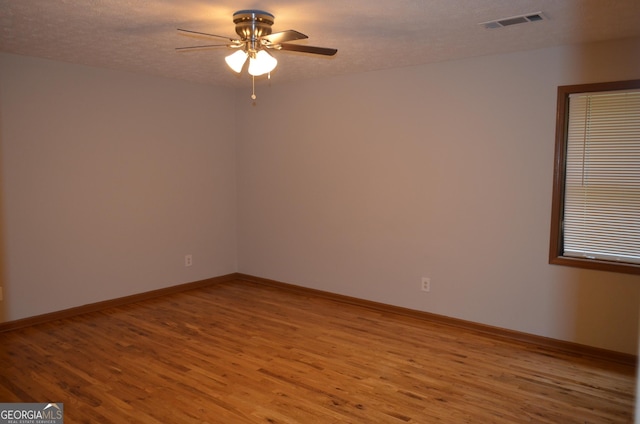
pixel 241 352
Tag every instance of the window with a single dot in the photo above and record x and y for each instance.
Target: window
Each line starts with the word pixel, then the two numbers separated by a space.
pixel 595 219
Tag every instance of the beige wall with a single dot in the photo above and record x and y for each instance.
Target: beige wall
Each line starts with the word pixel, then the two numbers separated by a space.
pixel 108 180
pixel 362 184
pixel 358 185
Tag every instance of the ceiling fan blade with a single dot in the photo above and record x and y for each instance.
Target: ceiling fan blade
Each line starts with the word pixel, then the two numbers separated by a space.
pixel 208 35
pixel 283 36
pixel 308 49
pixel 200 47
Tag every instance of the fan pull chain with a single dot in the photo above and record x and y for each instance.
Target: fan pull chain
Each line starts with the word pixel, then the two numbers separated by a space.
pixel 253 87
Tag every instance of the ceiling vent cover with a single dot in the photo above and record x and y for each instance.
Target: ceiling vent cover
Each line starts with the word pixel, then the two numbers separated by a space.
pixel 514 20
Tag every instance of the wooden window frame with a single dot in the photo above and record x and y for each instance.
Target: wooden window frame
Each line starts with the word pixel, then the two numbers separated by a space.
pixel 557 213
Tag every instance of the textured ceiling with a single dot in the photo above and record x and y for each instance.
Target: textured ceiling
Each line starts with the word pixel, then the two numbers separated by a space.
pixel 140 35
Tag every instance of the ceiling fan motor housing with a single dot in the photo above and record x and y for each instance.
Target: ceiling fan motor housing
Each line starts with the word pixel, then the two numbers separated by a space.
pixel 252 24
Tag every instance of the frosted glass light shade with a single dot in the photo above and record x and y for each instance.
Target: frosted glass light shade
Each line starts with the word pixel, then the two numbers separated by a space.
pixel 262 64
pixel 236 60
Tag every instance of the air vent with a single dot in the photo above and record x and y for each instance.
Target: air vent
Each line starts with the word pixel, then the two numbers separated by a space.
pixel 514 20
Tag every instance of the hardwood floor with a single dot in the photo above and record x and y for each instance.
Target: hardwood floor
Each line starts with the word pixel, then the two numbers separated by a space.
pixel 241 352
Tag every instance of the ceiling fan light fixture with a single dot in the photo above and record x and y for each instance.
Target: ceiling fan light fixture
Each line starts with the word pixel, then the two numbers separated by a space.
pixel 262 63
pixel 236 60
pixel 256 38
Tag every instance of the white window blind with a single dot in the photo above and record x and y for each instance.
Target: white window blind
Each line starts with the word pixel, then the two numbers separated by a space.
pixel 602 182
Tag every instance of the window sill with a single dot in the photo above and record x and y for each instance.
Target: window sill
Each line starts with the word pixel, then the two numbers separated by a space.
pixel 626 268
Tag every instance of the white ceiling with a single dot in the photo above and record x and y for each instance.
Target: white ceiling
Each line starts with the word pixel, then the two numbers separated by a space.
pixel 140 35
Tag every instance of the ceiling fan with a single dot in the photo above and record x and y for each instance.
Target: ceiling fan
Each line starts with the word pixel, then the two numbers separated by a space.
pixel 256 39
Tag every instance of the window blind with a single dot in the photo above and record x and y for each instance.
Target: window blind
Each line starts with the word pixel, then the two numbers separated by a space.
pixel 602 181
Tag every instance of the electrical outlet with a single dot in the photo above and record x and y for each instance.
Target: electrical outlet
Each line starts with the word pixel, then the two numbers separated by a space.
pixel 188 260
pixel 426 284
